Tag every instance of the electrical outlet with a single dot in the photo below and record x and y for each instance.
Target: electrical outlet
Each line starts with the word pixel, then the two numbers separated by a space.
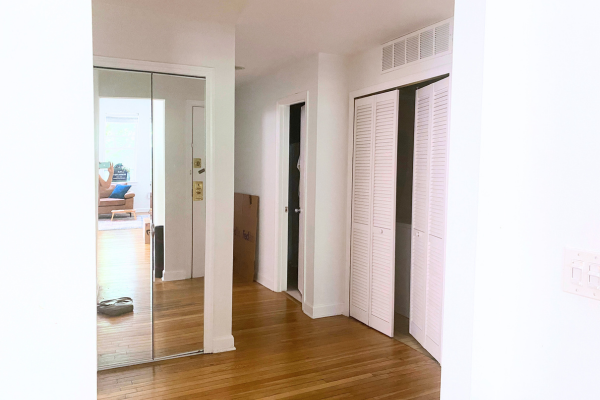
pixel 581 273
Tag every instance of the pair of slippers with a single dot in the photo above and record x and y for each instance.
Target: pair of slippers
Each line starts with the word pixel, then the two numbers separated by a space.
pixel 115 307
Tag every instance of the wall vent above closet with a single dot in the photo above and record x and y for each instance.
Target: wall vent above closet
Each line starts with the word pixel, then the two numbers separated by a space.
pixel 433 41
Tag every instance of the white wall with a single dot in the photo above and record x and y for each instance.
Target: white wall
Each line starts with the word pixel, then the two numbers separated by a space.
pixel 42 340
pixel 178 93
pixel 530 134
pixel 331 174
pixel 142 33
pixel 324 77
pixel 256 158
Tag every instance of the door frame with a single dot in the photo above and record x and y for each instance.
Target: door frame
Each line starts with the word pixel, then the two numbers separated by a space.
pixel 425 74
pixel 211 226
pixel 282 137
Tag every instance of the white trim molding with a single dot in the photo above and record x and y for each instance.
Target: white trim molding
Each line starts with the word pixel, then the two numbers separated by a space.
pixel 330 310
pixel 223 344
pixel 210 345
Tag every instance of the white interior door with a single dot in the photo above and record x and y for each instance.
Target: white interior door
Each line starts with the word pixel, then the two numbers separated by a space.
pixel 362 188
pixel 302 196
pixel 374 211
pixel 199 207
pixel 385 150
pixel 429 214
pixel 418 274
pixel 437 216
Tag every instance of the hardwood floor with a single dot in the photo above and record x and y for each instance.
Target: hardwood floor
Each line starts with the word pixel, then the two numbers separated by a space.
pixel 178 316
pixel 282 353
pixel 123 269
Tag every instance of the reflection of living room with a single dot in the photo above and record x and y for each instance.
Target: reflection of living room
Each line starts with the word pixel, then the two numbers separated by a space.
pixel 125 141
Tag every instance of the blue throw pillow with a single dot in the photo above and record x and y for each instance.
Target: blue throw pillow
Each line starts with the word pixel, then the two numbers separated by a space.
pixel 120 191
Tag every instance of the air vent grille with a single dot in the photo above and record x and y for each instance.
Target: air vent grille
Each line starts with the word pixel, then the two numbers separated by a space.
pixel 412 49
pixel 426 44
pixel 442 38
pixel 429 42
pixel 387 61
pixel 399 53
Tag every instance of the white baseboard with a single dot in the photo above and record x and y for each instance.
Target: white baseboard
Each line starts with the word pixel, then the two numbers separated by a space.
pixel 223 344
pixel 323 311
pixel 266 282
pixel 175 275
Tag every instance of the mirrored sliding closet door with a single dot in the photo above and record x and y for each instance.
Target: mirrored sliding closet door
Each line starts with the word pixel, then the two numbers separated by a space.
pixel 150 153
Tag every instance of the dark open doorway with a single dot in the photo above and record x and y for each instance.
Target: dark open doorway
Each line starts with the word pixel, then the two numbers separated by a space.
pixel 294 202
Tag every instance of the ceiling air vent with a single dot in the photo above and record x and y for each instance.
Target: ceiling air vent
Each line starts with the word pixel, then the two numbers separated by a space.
pixel 399 53
pixel 426 44
pixel 412 49
pixel 429 42
pixel 387 61
pixel 442 38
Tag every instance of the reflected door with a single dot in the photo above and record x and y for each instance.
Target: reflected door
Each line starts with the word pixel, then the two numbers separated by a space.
pixel 178 302
pixel 123 133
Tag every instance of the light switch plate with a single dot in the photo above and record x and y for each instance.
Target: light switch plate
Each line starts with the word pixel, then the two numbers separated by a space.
pixel 581 273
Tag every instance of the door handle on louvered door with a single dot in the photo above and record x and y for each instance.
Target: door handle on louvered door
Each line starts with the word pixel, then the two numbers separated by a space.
pixel 298 210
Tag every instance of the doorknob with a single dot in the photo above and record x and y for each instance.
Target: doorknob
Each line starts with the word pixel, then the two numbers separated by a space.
pixel 298 210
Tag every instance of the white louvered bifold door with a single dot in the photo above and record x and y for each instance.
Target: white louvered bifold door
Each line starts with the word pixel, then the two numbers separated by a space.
pixel 438 173
pixel 374 211
pixel 418 275
pixel 381 315
pixel 429 215
pixel 362 191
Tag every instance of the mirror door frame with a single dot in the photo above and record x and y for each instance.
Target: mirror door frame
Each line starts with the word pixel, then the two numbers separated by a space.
pixel 209 75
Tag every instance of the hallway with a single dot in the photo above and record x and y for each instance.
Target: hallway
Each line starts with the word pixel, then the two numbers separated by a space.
pixel 282 353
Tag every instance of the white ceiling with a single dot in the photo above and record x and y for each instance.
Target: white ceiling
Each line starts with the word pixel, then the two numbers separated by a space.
pixel 272 33
pixel 224 11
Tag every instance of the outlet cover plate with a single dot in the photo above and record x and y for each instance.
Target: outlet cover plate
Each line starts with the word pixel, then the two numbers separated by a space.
pixel 589 264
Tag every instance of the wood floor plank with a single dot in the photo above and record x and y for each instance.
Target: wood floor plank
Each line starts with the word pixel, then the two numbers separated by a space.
pixel 175 307
pixel 283 354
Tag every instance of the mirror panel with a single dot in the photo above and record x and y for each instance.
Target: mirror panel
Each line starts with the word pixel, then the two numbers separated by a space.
pixel 123 129
pixel 180 211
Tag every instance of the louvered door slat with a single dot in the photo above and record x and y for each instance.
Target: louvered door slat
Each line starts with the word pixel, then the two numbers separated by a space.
pixel 385 144
pixel 429 215
pixel 418 285
pixel 435 259
pixel 384 178
pixel 362 193
pixel 437 180
pixel 421 159
pixel 437 217
pixel 420 206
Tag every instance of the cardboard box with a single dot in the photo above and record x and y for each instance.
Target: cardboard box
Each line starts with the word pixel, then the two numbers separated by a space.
pixel 147 231
pixel 245 221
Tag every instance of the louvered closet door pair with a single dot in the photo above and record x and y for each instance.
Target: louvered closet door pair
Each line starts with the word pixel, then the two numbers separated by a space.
pixel 432 110
pixel 374 211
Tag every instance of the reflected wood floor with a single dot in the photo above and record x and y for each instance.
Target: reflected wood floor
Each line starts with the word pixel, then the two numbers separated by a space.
pixel 178 316
pixel 282 353
pixel 124 269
